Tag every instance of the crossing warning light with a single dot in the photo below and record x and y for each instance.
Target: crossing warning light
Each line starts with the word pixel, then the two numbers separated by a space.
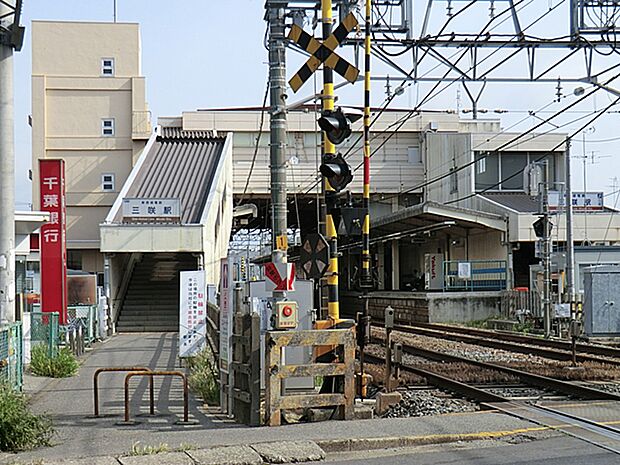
pixel 337 124
pixel 337 171
pixel 539 227
pixel 286 314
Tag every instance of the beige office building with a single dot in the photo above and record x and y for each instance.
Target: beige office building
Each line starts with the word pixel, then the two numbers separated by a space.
pixel 88 108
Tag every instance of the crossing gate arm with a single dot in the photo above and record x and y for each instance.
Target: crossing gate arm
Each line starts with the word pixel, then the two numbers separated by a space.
pixel 277 372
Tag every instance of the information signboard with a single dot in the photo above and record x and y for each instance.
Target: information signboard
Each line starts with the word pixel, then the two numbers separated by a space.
pixel 193 317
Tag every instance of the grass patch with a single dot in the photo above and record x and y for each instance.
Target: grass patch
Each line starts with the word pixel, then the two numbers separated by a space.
pixel 20 429
pixel 478 324
pixel 184 447
pixel 63 365
pixel 202 379
pixel 138 449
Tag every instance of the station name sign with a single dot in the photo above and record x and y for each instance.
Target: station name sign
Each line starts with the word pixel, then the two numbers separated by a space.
pixel 143 208
pixel 590 201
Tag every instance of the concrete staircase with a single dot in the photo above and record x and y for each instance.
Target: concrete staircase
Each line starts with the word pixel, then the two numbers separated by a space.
pixel 151 303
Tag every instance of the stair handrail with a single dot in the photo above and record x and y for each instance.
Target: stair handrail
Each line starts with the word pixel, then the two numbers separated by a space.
pixel 121 290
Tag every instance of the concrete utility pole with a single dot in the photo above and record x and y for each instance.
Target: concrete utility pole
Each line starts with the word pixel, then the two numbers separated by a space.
pixel 277 99
pixel 570 248
pixel 7 165
pixel 546 252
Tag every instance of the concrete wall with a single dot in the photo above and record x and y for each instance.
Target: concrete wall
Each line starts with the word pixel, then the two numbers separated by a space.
pixel 217 222
pixel 423 307
pixel 444 152
pixel 462 307
pixel 70 97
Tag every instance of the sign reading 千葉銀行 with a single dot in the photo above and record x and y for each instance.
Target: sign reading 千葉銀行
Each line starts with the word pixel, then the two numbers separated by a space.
pixel 193 317
pixel 53 238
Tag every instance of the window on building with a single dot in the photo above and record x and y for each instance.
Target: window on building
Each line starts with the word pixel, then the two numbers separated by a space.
pixel 513 164
pixel 487 170
pixel 413 155
pixel 74 259
pixel 454 181
pixel 107 127
pixel 107 66
pixel 107 182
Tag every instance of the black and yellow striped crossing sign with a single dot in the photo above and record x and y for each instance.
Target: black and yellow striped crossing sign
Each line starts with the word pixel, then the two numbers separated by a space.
pixel 323 53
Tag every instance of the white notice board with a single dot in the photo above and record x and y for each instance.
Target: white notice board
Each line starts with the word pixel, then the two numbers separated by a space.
pixel 193 317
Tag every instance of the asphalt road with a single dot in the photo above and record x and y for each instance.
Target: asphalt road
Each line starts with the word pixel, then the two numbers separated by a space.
pixel 562 450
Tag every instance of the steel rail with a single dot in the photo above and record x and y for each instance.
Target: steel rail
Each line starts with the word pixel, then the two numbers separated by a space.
pixel 532 379
pixel 496 341
pixel 468 391
pixel 519 338
pixel 568 423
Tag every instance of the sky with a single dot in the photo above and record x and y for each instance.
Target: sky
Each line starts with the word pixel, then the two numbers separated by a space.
pixel 209 53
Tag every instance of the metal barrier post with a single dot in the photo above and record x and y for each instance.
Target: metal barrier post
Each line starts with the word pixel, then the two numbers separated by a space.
pixel 120 370
pixel 151 374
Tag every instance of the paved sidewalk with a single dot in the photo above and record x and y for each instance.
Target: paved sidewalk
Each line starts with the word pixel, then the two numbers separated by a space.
pixel 69 403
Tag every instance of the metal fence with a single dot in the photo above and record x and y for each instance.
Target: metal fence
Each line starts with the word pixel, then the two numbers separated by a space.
pixel 86 315
pixel 45 330
pixel 521 304
pixel 474 275
pixel 11 355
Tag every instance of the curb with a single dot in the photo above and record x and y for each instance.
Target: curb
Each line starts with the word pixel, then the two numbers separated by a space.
pixel 300 451
pixel 350 445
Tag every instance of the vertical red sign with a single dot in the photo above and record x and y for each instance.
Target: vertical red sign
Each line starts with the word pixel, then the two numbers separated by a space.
pixel 53 238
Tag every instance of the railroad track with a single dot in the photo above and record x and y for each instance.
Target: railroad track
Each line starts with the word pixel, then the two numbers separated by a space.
pixel 598 434
pixel 480 395
pixel 552 349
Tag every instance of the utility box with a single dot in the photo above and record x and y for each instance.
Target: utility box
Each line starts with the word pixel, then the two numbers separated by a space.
pixel 286 315
pixel 602 301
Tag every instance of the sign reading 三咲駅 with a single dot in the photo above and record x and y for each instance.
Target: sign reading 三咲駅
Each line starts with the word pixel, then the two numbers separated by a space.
pixel 193 316
pixel 168 209
pixel 53 238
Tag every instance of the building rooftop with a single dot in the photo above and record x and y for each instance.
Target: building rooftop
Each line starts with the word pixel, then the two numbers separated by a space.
pixel 178 165
pixel 517 201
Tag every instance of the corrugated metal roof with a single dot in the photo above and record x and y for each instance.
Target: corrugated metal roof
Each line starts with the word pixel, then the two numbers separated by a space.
pixel 180 133
pixel 518 201
pixel 180 164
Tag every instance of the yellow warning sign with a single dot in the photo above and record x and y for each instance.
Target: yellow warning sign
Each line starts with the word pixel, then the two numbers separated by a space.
pixel 282 242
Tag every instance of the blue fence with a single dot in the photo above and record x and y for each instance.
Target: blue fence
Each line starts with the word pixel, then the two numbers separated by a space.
pixel 474 275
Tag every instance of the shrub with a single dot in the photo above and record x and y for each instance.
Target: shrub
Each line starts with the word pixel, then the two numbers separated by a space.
pixel 62 365
pixel 202 378
pixel 20 429
pixel 138 449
